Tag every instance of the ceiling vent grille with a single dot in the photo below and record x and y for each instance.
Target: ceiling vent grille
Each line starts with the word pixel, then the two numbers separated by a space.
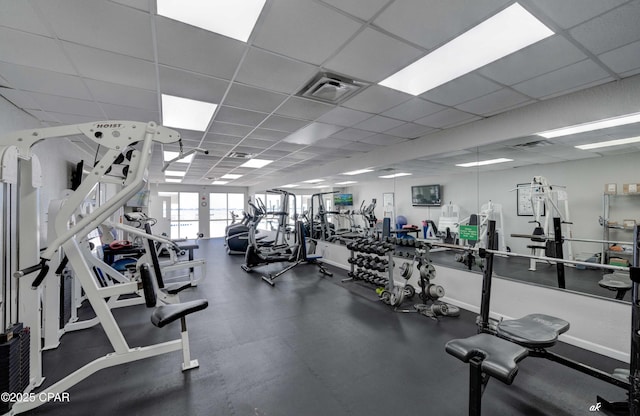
pixel 534 144
pixel 331 88
pixel 240 155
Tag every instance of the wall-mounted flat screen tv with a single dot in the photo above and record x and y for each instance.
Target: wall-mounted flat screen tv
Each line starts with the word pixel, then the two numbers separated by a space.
pixel 343 200
pixel 426 196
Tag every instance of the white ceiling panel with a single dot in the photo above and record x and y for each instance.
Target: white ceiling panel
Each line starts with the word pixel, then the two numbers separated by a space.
pixel 67 105
pixel 430 24
pixel 239 116
pixel 410 131
pixel 272 72
pixel 188 47
pixel 344 117
pixel 568 13
pixel 267 134
pixel 302 108
pixel 288 147
pixel 373 56
pixel 189 85
pixel 262 144
pixel 563 79
pixel 113 27
pixel 298 28
pixel 351 134
pixel 22 48
pixel 462 89
pixel 623 59
pixel 222 139
pixel 361 147
pixel 312 133
pixel 112 67
pixel 251 98
pixel 136 4
pixel 382 140
pixel 363 9
pixel 330 143
pixel 413 109
pixel 118 112
pixel 542 57
pixel 611 30
pixel 494 102
pixel 230 129
pixel 379 124
pixel 284 123
pixel 376 99
pixel 75 119
pixel 46 82
pixel 107 92
pixel 445 118
pixel 43 116
pixel 20 15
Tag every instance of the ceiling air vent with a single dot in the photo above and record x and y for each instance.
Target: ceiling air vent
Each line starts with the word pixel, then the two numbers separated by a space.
pixel 331 88
pixel 536 143
pixel 240 155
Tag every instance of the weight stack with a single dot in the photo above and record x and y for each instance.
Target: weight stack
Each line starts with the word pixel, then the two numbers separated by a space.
pixel 14 362
pixel 65 297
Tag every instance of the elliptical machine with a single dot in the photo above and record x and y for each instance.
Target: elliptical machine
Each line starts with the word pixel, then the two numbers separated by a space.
pixel 236 238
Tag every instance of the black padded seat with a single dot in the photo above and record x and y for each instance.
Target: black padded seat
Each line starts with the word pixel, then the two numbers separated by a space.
pixel 165 314
pixel 499 357
pixel 533 331
pixel 621 374
pixel 175 288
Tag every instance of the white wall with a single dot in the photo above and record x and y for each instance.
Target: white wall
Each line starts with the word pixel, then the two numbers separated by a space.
pixel 584 181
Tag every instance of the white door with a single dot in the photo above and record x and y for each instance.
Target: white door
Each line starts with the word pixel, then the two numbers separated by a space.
pixel 161 211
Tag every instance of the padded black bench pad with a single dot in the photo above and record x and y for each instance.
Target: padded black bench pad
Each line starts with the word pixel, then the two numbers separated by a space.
pixel 500 357
pixel 175 288
pixel 165 314
pixel 533 331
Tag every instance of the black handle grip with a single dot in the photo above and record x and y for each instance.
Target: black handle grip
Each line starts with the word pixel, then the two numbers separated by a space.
pixel 62 265
pixel 40 277
pixel 30 269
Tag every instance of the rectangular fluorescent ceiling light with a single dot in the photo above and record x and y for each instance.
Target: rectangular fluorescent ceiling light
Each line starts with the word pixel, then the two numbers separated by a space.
pixel 256 163
pixel 596 125
pixel 231 176
pixel 291 185
pixel 314 181
pixel 357 172
pixel 346 183
pixel 219 183
pixel 174 173
pixel 395 175
pixel 232 18
pixel 184 113
pixel 484 162
pixel 172 155
pixel 508 31
pixel 609 143
pixel 172 180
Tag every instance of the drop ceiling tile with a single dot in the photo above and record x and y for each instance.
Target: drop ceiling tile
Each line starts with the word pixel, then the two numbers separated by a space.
pixel 75 119
pixel 410 131
pixel 344 117
pixel 242 96
pixel 611 30
pixel 495 102
pixel 184 46
pixel 262 144
pixel 222 139
pixel 248 149
pixel 136 4
pixel 230 129
pixel 362 9
pixel 107 92
pixel 376 99
pixel 303 108
pixel 239 116
pixel 372 56
pixel 568 13
pixel 431 24
pixel 331 143
pixel 67 105
pixel 190 85
pixel 284 123
pixel 298 28
pixel 462 89
pixel 379 124
pixel 312 133
pixel 382 140
pixel 623 59
pixel 112 67
pixel 563 79
pixel 118 112
pixel 542 57
pixel 112 27
pixel 190 135
pixel 274 154
pixel 351 134
pixel 289 147
pixel 266 134
pixel 43 116
pixel 22 48
pixel 361 147
pixel 46 82
pixel 413 109
pixel 446 118
pixel 272 72
pixel 20 15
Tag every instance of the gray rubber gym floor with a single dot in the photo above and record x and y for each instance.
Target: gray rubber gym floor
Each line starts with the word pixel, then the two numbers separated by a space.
pixel 308 346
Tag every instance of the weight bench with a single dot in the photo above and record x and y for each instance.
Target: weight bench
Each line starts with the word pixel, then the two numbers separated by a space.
pixel 618 282
pixel 488 356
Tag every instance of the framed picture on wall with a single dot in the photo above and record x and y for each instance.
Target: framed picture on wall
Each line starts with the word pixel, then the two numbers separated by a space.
pixel 524 202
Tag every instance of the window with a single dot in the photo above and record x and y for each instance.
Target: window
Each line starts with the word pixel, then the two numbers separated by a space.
pixel 184 214
pixel 220 208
